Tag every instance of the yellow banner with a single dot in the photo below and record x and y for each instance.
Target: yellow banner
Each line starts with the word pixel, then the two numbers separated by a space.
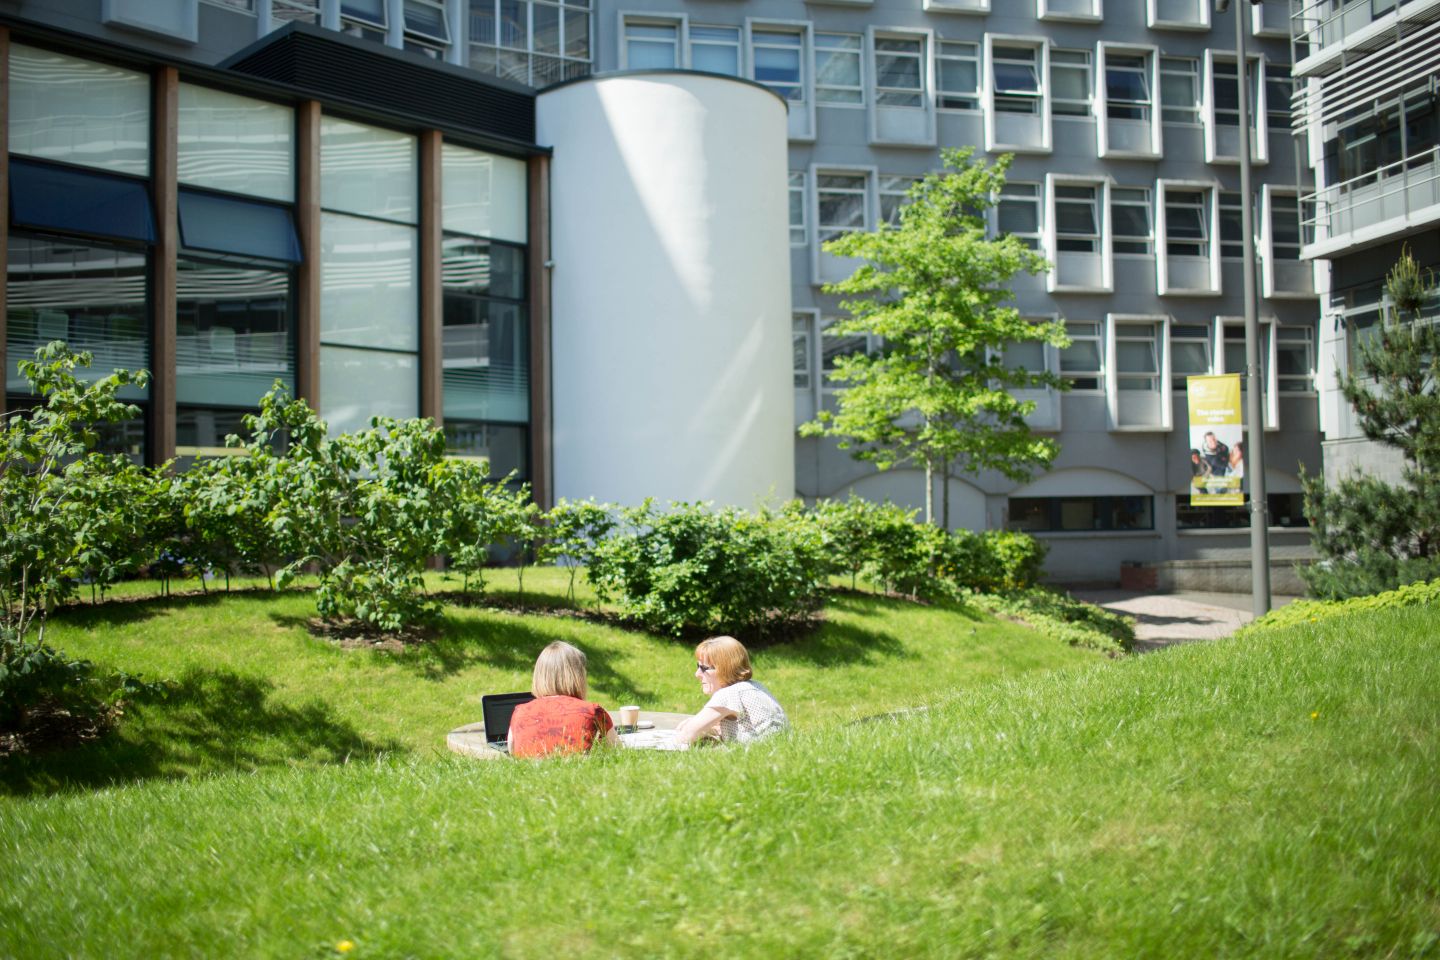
pixel 1217 463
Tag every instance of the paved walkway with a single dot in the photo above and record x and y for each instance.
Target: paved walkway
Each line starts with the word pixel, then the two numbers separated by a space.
pixel 1165 619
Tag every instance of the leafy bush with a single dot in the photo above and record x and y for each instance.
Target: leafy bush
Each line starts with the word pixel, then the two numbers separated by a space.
pixel 65 512
pixel 1062 617
pixel 1315 611
pixel 714 570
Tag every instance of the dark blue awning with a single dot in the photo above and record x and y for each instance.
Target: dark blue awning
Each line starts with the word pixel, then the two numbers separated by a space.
pixel 237 226
pixel 79 201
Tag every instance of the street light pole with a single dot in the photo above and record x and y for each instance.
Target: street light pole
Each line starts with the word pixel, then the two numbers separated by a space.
pixel 1254 401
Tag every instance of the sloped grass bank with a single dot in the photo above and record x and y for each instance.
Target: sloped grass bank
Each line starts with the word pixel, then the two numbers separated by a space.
pixel 254 689
pixel 1273 798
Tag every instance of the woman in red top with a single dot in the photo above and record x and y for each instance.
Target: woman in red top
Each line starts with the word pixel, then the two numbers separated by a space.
pixel 559 719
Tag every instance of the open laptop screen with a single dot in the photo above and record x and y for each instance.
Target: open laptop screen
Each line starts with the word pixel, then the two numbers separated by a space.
pixel 496 710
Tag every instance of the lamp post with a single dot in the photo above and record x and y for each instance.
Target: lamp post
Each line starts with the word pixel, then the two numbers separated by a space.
pixel 1254 407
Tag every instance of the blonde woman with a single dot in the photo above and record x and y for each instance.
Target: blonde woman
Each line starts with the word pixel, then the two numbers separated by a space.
pixel 740 709
pixel 559 719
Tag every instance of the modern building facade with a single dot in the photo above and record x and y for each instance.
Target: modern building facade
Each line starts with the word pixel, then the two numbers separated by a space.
pixel 655 372
pixel 1369 116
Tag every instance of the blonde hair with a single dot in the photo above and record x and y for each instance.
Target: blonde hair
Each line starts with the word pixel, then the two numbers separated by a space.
pixel 729 658
pixel 560 672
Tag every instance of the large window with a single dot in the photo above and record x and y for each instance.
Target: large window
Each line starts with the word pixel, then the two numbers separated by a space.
pixel 1016 79
pixel 1180 89
pixel 535 42
pixel 1077 219
pixel 958 64
pixel 837 69
pixel 1186 224
pixel 841 199
pixel 1076 514
pixel 1232 225
pixel 1137 356
pixel 1130 220
pixel 1189 352
pixel 79 111
pixel 799 229
pixel 369 294
pixel 652 46
pixel 899 72
pixel 715 49
pixel 1017 213
pixel 1127 87
pixel 800 349
pixel 1279 89
pixel 1080 363
pixel 485 344
pixel 1285 509
pixel 1070 82
pixel 894 194
pixel 779 60
pixel 91 295
pixel 1295 359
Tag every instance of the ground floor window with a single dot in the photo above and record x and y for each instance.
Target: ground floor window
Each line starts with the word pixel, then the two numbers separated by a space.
pixel 1286 510
pixel 1040 514
pixel 505 446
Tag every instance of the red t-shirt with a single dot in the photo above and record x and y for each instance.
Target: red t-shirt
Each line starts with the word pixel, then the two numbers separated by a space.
pixel 549 725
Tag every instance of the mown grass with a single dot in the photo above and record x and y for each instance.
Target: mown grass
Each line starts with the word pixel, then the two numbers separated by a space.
pixel 254 689
pixel 1273 797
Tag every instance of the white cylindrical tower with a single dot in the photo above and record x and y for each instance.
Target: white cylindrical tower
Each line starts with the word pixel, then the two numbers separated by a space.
pixel 670 289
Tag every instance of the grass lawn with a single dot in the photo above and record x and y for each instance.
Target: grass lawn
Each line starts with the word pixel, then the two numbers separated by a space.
pixel 255 689
pixel 1276 796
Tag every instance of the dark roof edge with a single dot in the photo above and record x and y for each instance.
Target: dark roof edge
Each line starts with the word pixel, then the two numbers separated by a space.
pixel 657 71
pixel 80 44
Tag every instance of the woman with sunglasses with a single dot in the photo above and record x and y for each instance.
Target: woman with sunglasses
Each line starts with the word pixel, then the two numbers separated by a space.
pixel 740 709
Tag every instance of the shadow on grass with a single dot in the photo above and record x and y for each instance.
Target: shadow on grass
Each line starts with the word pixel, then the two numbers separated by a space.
pixel 210 722
pixel 115 611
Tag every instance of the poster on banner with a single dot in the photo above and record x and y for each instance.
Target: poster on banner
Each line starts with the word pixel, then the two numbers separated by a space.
pixel 1217 437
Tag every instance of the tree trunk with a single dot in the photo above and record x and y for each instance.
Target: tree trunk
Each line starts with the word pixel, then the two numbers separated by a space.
pixel 929 490
pixel 945 494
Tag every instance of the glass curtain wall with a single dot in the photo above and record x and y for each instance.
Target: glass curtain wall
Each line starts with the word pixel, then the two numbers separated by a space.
pixel 369 295
pixel 234 326
pixel 81 222
pixel 486 340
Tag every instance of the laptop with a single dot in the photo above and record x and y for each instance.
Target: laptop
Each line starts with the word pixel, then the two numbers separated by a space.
pixel 496 709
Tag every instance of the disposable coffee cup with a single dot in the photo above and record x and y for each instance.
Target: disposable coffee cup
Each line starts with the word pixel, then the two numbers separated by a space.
pixel 629 716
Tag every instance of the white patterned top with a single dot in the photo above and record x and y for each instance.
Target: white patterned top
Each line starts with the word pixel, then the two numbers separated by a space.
pixel 757 712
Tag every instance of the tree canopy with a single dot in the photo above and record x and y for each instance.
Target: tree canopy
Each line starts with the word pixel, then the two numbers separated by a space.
pixel 934 288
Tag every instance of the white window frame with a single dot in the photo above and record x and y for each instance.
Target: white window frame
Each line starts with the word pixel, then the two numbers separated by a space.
pixel 1271 412
pixel 1153 21
pixel 977 57
pixel 801 116
pixel 1050 228
pixel 1096 14
pixel 682 35
pixel 1039 195
pixel 1260 126
pixel 1195 76
pixel 978 7
pixel 1089 83
pixel 1269 289
pixel 1100 374
pixel 807 398
pixel 1260 28
pixel 819 260
pixel 691 42
pixel 1151 54
pixel 1149 206
pixel 859 54
pixel 1046 417
pixel 803 186
pixel 872 344
pixel 1162 239
pixel 1164 377
pixel 1042 71
pixel 877 113
pixel 1311 349
pixel 424 39
pixel 1209 340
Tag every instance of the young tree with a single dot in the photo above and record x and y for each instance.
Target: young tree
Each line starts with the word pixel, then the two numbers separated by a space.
pixel 934 288
pixel 1372 535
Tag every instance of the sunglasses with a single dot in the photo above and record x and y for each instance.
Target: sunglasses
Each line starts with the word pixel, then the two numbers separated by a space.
pixel 704 667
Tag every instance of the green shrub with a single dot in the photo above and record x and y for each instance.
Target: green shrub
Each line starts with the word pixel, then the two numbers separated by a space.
pixel 1062 617
pixel 692 567
pixel 1314 611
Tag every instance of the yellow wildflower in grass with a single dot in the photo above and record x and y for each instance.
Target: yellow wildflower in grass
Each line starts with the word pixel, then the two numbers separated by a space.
pixel 345 946
pixel 1314 714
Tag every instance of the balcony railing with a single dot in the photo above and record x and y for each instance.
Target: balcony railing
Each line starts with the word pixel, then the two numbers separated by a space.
pixel 1397 193
pixel 1317 24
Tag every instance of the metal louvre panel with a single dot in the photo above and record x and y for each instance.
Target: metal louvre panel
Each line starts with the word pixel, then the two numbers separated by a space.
pixel 1378 76
pixel 338 68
